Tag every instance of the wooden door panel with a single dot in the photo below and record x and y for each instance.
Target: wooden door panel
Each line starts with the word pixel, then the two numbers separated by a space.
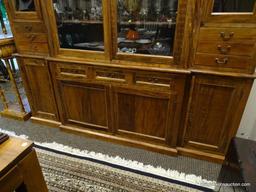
pixel 211 119
pixel 40 89
pixel 85 105
pixel 147 116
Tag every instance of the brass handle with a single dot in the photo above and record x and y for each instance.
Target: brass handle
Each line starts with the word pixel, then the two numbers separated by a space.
pixel 31 37
pixel 29 28
pixel 224 50
pixel 222 60
pixel 226 37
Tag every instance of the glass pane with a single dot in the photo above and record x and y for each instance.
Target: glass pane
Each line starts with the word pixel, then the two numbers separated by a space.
pixel 147 26
pixel 233 5
pixel 80 24
pixel 25 5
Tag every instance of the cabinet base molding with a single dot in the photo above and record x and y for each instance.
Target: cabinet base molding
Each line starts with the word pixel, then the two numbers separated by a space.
pixel 201 155
pixel 47 122
pixel 120 140
pixel 15 115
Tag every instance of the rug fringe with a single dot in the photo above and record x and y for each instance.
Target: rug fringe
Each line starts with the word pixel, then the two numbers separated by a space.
pixel 135 165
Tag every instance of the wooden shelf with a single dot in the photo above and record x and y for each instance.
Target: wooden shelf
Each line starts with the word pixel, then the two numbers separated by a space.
pixel 121 23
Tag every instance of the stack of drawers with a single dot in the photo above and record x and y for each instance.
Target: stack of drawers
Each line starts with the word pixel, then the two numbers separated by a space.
pixel 31 37
pixel 226 49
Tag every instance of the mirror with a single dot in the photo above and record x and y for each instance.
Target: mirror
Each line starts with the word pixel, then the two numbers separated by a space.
pixel 25 5
pixel 146 26
pixel 233 5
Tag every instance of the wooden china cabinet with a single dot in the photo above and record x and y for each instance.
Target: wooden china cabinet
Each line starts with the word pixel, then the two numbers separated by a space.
pixel 172 76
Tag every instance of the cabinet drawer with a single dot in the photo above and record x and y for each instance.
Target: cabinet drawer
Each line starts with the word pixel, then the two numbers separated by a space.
pixel 32 38
pixel 33 47
pixel 153 80
pixel 238 48
pixel 110 75
pixel 32 27
pixel 71 71
pixel 34 62
pixel 227 34
pixel 223 61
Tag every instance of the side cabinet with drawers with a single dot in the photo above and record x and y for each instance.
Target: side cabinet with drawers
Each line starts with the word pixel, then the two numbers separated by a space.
pixel 172 76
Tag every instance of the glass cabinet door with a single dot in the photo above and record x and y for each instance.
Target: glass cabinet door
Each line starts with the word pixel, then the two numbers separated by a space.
pixel 230 11
pixel 25 9
pixel 235 6
pixel 79 24
pixel 24 5
pixel 146 27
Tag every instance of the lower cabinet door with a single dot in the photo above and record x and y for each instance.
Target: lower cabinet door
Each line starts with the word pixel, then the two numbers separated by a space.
pixel 85 105
pixel 145 115
pixel 39 88
pixel 215 110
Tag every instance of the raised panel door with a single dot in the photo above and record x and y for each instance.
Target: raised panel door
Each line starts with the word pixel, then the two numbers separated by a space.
pixel 214 112
pixel 39 87
pixel 85 105
pixel 145 115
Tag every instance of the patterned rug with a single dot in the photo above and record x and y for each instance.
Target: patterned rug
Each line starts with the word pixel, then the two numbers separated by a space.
pixel 65 172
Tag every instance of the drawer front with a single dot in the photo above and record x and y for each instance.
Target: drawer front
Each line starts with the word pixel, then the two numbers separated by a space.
pixel 238 48
pixel 32 38
pixel 34 62
pixel 32 27
pixel 227 34
pixel 113 75
pixel 223 61
pixel 70 71
pixel 153 80
pixel 33 47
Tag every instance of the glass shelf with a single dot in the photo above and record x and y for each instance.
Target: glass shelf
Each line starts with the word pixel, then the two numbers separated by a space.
pixel 80 24
pixel 235 6
pixel 146 26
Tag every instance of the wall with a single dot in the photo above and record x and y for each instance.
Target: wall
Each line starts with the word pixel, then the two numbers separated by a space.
pixel 248 124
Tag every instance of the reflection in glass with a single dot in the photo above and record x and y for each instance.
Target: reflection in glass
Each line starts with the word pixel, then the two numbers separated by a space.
pixel 25 5
pixel 80 24
pixel 147 26
pixel 233 5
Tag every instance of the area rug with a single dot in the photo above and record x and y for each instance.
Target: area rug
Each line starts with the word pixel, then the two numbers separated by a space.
pixel 69 173
pixel 72 170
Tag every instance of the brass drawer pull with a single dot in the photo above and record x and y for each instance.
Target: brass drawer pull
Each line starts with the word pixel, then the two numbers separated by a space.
pixel 226 37
pixel 224 49
pixel 29 28
pixel 31 37
pixel 222 60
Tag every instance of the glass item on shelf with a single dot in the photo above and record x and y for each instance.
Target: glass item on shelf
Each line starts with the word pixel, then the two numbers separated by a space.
pixel 132 34
pixel 234 5
pixel 25 5
pixel 146 27
pixel 80 24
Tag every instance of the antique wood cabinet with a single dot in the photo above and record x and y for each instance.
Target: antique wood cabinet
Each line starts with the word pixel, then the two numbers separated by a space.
pixel 172 76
